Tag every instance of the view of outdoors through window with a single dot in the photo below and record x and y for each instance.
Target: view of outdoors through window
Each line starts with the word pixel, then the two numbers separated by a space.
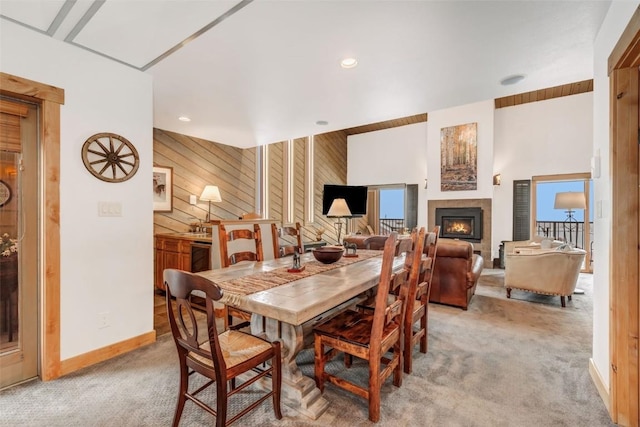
pixel 560 223
pixel 391 209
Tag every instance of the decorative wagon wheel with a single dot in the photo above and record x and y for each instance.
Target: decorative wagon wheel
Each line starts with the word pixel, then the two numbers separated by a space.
pixel 110 157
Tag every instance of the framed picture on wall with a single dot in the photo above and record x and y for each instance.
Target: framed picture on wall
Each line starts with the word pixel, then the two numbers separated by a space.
pixel 162 189
pixel 459 157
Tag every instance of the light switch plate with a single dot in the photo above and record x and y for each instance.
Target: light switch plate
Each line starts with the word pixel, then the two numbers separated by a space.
pixel 109 209
pixel 192 199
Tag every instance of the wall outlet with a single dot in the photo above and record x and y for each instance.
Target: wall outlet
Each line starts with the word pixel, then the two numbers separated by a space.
pixel 192 199
pixel 103 320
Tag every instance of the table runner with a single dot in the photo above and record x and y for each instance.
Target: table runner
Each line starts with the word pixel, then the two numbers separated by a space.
pixel 234 289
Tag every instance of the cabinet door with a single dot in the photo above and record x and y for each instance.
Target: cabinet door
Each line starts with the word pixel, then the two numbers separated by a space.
pixel 172 260
pixel 159 263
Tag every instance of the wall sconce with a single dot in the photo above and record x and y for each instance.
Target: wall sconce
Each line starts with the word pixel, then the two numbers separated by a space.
pixel 497 179
pixel 426 184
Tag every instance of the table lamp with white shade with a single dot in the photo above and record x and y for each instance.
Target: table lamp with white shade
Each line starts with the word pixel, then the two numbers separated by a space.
pixel 211 193
pixel 339 209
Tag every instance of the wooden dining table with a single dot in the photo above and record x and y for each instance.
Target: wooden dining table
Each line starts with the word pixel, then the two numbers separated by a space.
pixel 288 311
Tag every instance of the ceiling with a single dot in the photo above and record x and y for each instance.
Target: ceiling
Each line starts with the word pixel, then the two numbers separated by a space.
pixel 261 71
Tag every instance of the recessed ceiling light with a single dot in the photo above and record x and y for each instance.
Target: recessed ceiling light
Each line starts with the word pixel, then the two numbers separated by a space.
pixel 322 122
pixel 348 62
pixel 184 119
pixel 511 80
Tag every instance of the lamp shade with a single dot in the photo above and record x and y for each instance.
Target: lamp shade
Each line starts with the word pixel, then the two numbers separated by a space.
pixel 570 200
pixel 338 209
pixel 211 193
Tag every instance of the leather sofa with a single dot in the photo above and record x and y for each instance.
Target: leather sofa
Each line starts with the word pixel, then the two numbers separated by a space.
pixel 456 273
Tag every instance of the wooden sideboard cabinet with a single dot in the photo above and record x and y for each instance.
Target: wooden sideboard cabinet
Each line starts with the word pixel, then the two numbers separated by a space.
pixel 184 251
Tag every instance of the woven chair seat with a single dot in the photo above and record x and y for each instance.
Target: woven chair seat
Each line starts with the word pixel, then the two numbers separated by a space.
pixel 237 347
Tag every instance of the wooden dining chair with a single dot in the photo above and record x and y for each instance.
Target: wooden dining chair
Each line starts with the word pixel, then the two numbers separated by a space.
pixel 419 287
pixel 294 232
pixel 365 335
pixel 236 245
pixel 250 215
pixel 220 358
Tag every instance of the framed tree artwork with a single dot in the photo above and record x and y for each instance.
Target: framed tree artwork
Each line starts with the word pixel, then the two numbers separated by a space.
pixel 162 189
pixel 459 157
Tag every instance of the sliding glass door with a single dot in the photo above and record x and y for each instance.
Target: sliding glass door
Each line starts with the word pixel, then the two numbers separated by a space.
pixel 563 210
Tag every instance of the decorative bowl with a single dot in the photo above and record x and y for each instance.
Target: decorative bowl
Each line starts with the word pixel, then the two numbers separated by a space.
pixel 328 254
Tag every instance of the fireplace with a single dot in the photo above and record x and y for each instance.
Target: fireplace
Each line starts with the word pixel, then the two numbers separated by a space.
pixel 460 223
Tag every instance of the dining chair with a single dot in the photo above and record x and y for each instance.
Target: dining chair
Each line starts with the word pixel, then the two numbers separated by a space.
pixel 250 215
pixel 365 335
pixel 221 358
pixel 294 232
pixel 419 287
pixel 240 244
pixel 236 245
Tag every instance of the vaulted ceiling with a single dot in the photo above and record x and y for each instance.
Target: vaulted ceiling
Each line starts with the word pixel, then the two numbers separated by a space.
pixel 262 71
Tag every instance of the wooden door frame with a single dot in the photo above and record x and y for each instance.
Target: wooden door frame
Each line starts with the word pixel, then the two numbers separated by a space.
pixel 624 276
pixel 585 177
pixel 49 99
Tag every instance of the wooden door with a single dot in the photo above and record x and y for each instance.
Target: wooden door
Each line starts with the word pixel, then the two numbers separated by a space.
pixel 18 241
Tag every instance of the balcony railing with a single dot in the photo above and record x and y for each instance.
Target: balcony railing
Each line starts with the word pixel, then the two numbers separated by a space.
pixel 572 232
pixel 387 225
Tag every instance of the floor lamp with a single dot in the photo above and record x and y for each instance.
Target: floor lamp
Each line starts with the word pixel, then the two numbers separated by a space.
pixel 569 201
pixel 339 209
pixel 211 193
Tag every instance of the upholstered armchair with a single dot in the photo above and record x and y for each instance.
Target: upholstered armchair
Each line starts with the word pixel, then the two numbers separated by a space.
pixel 549 272
pixel 455 274
pixel 535 243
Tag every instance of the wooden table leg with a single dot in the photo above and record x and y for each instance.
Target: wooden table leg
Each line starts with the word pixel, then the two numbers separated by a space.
pixel 298 391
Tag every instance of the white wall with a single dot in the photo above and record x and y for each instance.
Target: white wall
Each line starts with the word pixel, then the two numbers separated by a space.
pixel 481 113
pixel 610 31
pixel 539 138
pixel 411 153
pixel 106 263
pixel 390 156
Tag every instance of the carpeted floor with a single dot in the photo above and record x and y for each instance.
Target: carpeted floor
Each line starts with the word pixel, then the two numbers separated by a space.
pixel 518 362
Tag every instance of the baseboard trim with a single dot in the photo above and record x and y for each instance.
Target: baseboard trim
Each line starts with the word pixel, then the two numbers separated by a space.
pixel 100 355
pixel 602 388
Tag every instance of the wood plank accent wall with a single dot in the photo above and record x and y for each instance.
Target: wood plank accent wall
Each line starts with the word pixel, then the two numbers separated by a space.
pixel 196 163
pixel 299 193
pixel 277 170
pixel 544 94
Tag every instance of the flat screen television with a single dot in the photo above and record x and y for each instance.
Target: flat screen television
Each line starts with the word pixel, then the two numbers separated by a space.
pixel 355 196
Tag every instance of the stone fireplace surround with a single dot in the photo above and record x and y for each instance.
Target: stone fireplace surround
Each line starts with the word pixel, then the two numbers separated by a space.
pixel 485 204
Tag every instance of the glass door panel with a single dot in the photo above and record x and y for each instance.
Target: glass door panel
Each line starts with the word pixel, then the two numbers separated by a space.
pixel 18 241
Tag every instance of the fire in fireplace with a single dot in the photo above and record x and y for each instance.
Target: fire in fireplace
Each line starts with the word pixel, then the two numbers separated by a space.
pixel 460 223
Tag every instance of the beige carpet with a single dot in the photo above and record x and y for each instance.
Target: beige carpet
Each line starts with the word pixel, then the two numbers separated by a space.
pixel 518 362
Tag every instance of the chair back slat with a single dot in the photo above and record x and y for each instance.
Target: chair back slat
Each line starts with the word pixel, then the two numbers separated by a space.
pixel 232 256
pixel 415 265
pixel 293 231
pixel 386 273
